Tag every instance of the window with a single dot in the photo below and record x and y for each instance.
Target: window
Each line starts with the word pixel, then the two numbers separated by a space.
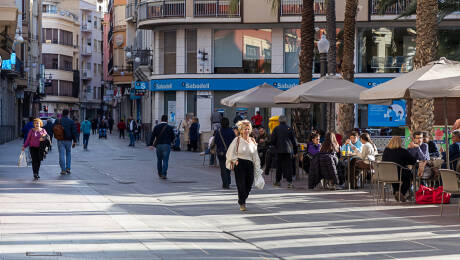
pixel 170 52
pixel 65 38
pixel 55 36
pixel 243 51
pixel 95 69
pixel 95 46
pixel 65 88
pixel 65 62
pixel 191 43
pixel 50 35
pixel 50 61
pixel 53 89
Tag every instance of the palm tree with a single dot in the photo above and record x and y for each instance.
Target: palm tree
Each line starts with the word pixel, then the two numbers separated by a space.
pixel 331 56
pixel 346 117
pixel 429 13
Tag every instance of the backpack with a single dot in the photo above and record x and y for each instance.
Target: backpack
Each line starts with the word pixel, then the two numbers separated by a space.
pixel 58 130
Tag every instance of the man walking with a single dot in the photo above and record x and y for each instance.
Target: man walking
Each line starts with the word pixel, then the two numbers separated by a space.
pixel 121 128
pixel 283 140
pixel 132 127
pixel 65 132
pixel 162 137
pixel 111 123
pixel 86 130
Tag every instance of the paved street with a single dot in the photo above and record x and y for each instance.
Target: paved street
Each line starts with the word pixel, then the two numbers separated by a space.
pixel 113 206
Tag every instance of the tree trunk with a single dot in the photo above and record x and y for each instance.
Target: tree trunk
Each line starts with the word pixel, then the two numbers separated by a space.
pixel 422 110
pixel 346 116
pixel 331 57
pixel 301 117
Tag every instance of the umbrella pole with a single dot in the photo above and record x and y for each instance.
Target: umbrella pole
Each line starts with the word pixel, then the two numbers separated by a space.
pixel 446 133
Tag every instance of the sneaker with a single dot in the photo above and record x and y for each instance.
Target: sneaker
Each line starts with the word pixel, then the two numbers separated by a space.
pixel 63 172
pixel 162 177
pixel 290 186
pixel 67 171
pixel 277 184
pixel 243 207
pixel 403 198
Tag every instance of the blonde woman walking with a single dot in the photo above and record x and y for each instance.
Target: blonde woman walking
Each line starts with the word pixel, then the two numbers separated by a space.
pixel 242 157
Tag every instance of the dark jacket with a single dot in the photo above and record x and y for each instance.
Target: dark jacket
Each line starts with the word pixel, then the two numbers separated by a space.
pixel 194 131
pixel 228 135
pixel 454 154
pixel 167 137
pixel 282 138
pixel 26 129
pixel 263 146
pixel 45 146
pixel 70 130
pixel 49 129
pixel 433 149
pixel 323 166
pixel 398 155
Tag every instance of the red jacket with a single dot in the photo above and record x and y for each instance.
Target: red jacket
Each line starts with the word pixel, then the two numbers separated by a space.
pixel 121 126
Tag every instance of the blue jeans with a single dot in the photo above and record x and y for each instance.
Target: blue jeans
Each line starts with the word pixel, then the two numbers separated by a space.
pixel 163 151
pixel 132 140
pixel 64 148
pixel 85 140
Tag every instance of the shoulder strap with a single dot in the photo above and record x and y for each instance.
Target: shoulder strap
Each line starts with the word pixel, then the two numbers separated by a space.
pixel 162 130
pixel 222 139
pixel 237 145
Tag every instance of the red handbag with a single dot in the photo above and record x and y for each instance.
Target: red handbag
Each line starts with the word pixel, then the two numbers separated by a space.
pixel 427 195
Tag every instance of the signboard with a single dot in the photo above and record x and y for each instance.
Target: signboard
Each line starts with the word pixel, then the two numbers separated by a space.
pixel 392 116
pixel 219 84
pixel 171 111
pixel 132 94
pixel 141 85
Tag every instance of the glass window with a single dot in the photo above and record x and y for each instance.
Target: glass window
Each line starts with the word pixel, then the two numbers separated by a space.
pixel 170 52
pixel 242 51
pixel 386 49
pixel 66 62
pixel 53 89
pixel 55 36
pixel 65 38
pixel 191 51
pixel 449 43
pixel 65 88
pixel 50 61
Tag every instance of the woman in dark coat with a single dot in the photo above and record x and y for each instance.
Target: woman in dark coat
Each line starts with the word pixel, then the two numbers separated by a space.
pixel 194 134
pixel 325 163
pixel 223 137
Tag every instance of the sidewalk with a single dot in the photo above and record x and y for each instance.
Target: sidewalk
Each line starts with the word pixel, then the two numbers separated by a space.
pixel 113 206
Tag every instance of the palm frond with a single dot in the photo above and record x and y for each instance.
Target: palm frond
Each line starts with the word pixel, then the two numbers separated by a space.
pixel 447 7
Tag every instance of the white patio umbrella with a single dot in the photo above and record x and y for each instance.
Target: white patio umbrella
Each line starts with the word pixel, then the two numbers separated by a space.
pixel 332 89
pixel 438 79
pixel 259 96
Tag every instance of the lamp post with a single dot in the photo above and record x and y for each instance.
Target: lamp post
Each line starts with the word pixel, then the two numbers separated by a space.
pixel 323 48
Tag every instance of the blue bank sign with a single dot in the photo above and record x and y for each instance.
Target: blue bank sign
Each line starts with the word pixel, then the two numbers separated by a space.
pixel 219 84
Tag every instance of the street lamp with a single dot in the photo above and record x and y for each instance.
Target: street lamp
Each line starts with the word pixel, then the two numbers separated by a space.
pixel 137 60
pixel 128 55
pixel 323 48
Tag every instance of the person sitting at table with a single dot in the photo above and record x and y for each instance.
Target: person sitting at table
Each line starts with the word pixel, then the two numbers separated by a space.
pixel 352 141
pixel 366 155
pixel 420 152
pixel 324 164
pixel 314 146
pixel 395 153
pixel 454 150
pixel 432 148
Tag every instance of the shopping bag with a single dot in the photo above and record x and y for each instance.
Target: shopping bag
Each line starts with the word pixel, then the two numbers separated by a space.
pixel 424 195
pixel 438 194
pixel 259 181
pixel 22 161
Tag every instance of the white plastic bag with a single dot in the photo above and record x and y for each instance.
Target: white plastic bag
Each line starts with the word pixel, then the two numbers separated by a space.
pixel 259 181
pixel 22 161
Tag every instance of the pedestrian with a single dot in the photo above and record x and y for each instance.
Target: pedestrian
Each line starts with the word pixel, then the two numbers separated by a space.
pixel 237 118
pixel 26 128
pixel 223 137
pixel 186 126
pixel 121 128
pixel 65 132
pixel 285 146
pixel 263 142
pixel 132 126
pixel 86 129
pixel 139 130
pixel 111 123
pixel 49 130
pixel 242 157
pixel 257 120
pixel 194 134
pixel 78 126
pixel 216 117
pixel 161 138
pixel 94 126
pixel 36 135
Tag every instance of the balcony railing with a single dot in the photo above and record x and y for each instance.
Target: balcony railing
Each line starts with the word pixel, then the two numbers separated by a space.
pixel 396 8
pixel 62 13
pixel 294 7
pixel 161 9
pixel 122 70
pixel 214 8
pixel 130 11
pixel 86 74
pixel 87 27
pixel 87 50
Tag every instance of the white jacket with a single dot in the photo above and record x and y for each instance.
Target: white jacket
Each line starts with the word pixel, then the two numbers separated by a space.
pixel 368 152
pixel 246 151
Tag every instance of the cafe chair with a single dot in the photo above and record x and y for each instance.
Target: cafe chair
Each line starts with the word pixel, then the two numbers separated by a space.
pixel 451 184
pixel 387 173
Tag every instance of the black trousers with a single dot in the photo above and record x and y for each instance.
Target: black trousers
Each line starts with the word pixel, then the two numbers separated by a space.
pixel 224 172
pixel 35 154
pixel 244 175
pixel 194 145
pixel 284 167
pixel 406 179
pixel 122 133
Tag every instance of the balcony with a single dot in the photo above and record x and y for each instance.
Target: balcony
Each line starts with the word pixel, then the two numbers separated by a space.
pixel 16 71
pixel 87 27
pixel 87 51
pixel 122 70
pixel 294 7
pixel 395 9
pixel 62 13
pixel 86 74
pixel 161 9
pixel 214 8
pixel 131 12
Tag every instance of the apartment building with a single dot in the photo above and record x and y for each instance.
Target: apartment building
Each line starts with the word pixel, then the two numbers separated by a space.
pixel 205 50
pixel 72 58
